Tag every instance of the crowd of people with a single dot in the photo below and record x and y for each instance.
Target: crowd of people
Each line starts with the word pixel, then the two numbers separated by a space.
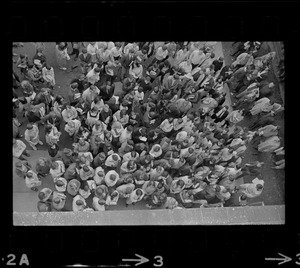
pixel 166 138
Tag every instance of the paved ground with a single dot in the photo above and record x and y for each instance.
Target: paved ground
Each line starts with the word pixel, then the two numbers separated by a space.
pixel 25 200
pixel 273 193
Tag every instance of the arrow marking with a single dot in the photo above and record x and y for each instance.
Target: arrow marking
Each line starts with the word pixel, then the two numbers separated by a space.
pixel 141 260
pixel 284 259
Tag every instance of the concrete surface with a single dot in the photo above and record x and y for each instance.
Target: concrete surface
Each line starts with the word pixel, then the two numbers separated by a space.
pixel 201 216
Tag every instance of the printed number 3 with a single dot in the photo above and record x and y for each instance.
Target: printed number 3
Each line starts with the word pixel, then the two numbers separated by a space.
pixel 160 261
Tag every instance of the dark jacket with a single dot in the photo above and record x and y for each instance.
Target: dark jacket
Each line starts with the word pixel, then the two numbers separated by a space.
pixel 105 93
pixel 126 61
pixel 85 60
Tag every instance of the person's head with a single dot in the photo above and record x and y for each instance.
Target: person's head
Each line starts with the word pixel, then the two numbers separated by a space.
pixel 81 141
pixel 156 148
pixel 98 140
pixel 54 165
pixel 59 183
pixel 56 200
pixel 140 89
pixel 259 187
pixel 231 178
pixel 170 119
pixel 190 150
pixel 159 169
pixel 160 185
pixel 29 126
pixel 123 112
pixel 113 177
pixel 167 64
pixel 106 108
pixel 30 65
pixel 130 164
pixel 133 153
pixel 115 157
pixel 243 197
pixel 175 154
pixel 84 51
pixel 71 124
pixel 41 195
pixel 217 188
pixel 100 173
pixel 131 51
pixel 48 67
pixel 74 85
pixel 79 203
pixel 180 183
pixel 97 70
pixel 101 202
pixel 139 192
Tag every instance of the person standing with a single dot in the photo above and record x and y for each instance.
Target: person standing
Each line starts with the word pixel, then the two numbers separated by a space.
pixel 32 136
pixel 32 180
pixel 48 75
pixel 93 76
pixel 90 94
pixel 126 61
pixel 21 168
pixel 253 189
pixel 69 113
pixel 85 61
pixel 62 56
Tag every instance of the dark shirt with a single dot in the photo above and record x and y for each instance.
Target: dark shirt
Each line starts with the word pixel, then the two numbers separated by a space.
pixel 218 65
pixel 53 152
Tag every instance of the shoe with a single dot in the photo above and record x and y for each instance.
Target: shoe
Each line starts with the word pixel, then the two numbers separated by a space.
pixel 34 148
pixel 63 68
pixel 21 136
pixel 41 143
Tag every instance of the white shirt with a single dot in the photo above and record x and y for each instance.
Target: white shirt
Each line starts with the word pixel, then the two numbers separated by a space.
pixel 92 49
pixel 18 148
pixel 197 57
pixel 166 126
pixel 92 76
pixel 97 178
pixel 185 66
pixel 161 54
pixel 75 207
pixel 108 181
pixel 116 52
pixel 69 114
pixel 32 135
pixel 110 162
pixel 128 156
pixel 58 172
pixel 85 175
pixel 96 205
pixel 125 136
